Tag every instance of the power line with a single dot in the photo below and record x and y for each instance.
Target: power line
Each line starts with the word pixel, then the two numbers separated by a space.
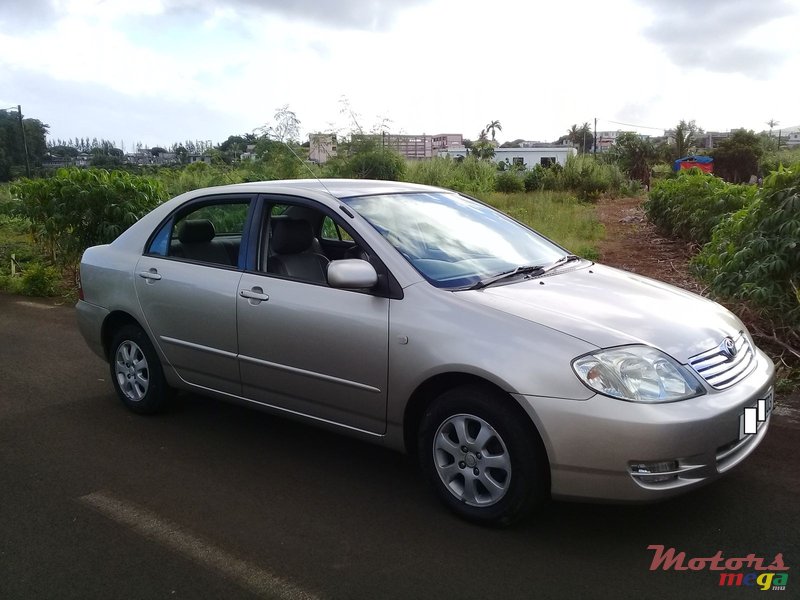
pixel 637 126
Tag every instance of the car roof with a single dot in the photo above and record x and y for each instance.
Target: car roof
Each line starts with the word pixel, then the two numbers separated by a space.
pixel 338 188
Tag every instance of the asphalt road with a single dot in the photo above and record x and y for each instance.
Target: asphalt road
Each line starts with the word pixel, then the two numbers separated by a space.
pixel 216 501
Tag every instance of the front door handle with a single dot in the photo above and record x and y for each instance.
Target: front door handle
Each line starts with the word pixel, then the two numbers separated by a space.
pixel 254 294
pixel 152 275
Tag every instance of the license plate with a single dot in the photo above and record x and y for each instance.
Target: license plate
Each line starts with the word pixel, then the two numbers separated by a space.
pixel 753 417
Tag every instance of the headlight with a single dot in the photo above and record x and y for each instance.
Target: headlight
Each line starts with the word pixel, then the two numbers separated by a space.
pixel 638 374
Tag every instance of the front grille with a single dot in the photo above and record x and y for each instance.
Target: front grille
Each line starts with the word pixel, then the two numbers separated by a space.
pixel 721 368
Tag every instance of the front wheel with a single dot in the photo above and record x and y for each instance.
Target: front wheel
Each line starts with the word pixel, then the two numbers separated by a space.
pixel 136 371
pixel 485 462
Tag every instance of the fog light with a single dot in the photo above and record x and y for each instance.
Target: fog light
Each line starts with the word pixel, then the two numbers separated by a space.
pixel 655 472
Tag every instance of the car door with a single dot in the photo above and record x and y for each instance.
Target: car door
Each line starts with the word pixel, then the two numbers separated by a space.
pixel 309 348
pixel 187 282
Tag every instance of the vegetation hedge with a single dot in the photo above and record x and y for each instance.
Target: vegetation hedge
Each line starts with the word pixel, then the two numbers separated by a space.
pixel 78 208
pixel 754 254
pixel 691 204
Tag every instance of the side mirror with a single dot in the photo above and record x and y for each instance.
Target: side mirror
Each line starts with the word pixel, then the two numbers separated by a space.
pixel 352 274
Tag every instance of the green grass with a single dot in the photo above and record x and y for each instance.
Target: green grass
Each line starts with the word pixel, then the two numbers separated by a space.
pixel 557 215
pixel 14 241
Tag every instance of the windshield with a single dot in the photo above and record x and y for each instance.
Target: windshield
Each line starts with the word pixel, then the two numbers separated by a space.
pixel 451 240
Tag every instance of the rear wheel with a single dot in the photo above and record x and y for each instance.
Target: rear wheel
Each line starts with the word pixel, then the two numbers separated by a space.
pixel 484 462
pixel 136 371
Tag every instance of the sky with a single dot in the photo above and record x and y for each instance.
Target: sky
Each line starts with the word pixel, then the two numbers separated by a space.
pixel 164 71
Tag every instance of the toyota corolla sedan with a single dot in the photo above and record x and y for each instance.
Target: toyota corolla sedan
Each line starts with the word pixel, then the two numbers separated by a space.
pixel 421 319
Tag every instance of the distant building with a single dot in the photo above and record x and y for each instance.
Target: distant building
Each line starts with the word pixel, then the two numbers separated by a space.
pixel 544 155
pixel 412 147
pixel 249 153
pixel 606 139
pixel 322 147
pixel 709 140
pixel 442 141
pixel 793 138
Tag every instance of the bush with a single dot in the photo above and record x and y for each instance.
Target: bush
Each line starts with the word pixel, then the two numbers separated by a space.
pixel 368 163
pixel 78 208
pixel 534 178
pixel 754 255
pixel 38 280
pixel 509 182
pixel 471 176
pixel 691 204
pixel 588 178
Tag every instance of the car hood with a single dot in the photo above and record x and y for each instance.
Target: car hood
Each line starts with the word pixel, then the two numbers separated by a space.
pixel 608 307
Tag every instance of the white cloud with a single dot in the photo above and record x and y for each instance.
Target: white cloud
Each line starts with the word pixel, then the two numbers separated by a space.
pixel 430 66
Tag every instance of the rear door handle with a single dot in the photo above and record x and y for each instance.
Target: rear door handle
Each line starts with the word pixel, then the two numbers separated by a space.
pixel 255 294
pixel 152 275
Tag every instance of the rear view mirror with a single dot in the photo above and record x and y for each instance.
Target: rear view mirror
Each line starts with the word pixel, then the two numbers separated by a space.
pixel 352 274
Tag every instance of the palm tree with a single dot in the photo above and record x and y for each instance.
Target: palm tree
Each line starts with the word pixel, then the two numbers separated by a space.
pixel 586 137
pixel 573 134
pixel 772 123
pixel 684 137
pixel 492 127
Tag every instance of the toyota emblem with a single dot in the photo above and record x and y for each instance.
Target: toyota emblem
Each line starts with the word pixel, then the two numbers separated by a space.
pixel 728 348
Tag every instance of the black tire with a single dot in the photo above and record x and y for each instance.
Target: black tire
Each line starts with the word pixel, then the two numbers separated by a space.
pixel 519 475
pixel 140 386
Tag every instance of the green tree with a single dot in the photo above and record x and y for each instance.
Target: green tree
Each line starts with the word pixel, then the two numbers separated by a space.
pixel 492 127
pixel 286 127
pixel 12 144
pixel 235 146
pixel 585 139
pixel 277 160
pixel 736 159
pixel 482 148
pixel 685 138
pixel 635 155
pixel 364 158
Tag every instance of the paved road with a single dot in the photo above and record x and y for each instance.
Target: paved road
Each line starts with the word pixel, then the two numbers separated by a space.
pixel 215 501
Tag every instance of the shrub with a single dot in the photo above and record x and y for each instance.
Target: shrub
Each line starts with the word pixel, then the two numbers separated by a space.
pixel 533 178
pixel 509 182
pixel 754 255
pixel 38 280
pixel 691 204
pixel 368 163
pixel 470 175
pixel 79 208
pixel 588 178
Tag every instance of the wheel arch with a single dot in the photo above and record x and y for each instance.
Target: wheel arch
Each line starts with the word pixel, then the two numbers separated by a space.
pixel 112 323
pixel 434 386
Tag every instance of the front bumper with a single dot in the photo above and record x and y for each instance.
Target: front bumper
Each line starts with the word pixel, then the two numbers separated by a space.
pixel 593 444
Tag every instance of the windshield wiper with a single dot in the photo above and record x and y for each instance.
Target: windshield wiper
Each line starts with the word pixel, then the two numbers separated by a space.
pixel 561 261
pixel 523 270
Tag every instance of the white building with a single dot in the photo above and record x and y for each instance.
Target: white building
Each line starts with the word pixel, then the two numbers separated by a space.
pixel 791 137
pixel 321 147
pixel 526 157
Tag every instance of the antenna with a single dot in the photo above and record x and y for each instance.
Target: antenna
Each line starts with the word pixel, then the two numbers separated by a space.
pixel 314 175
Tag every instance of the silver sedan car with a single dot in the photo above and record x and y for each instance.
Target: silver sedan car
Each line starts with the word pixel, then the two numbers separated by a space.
pixel 421 319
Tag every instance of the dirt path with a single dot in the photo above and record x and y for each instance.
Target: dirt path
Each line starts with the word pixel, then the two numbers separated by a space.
pixel 631 243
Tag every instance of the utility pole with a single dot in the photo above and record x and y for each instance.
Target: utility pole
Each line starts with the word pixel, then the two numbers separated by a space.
pixel 594 145
pixel 24 142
